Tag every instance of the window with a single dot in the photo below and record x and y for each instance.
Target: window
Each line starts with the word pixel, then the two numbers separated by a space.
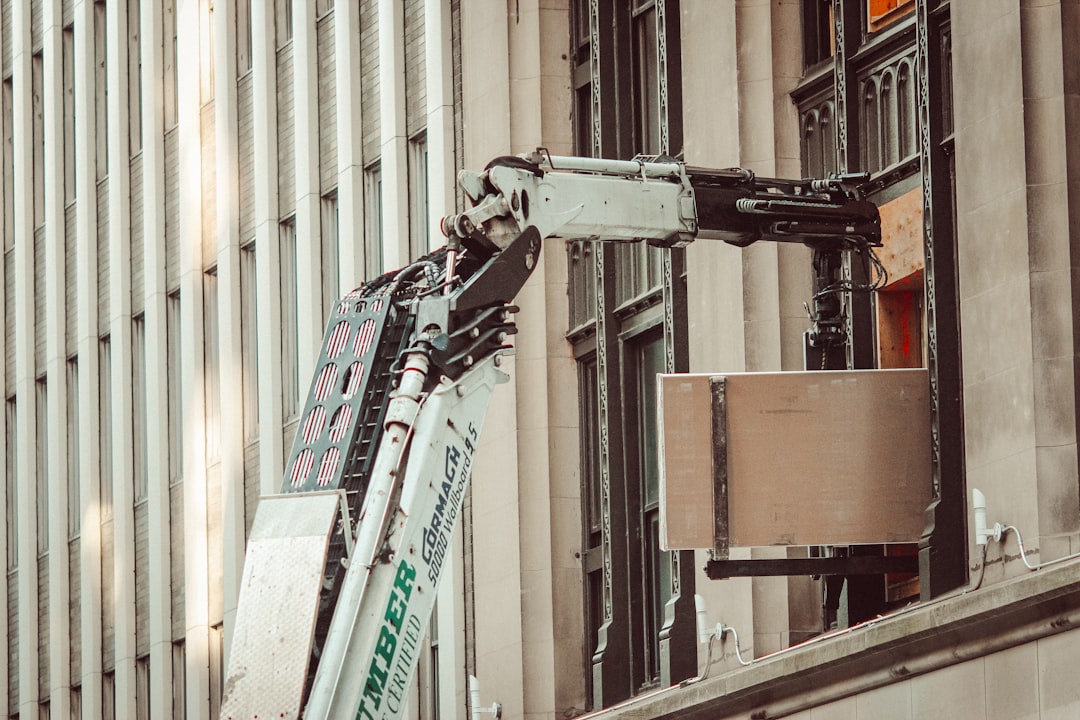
pixel 283 22
pixel 134 50
pixel 72 412
pixel 373 224
pixel 206 50
pixel 142 688
pixel 11 470
pixel 217 668
pixel 881 13
pixel 581 260
pixel 41 447
pixel 249 341
pixel 176 399
pixel 168 60
pixel 211 367
pixel 817 31
pixel 889 329
pixel 68 79
pixel 108 696
pixel 290 371
pixel 37 83
pixel 592 510
pixel 9 165
pixel 331 256
pixel 818 139
pixel 620 346
pixel 583 135
pixel 105 490
pixel 76 702
pixel 140 459
pixel 101 96
pixel 179 680
pixel 646 78
pixel 243 37
pixel 419 232
pixel 646 360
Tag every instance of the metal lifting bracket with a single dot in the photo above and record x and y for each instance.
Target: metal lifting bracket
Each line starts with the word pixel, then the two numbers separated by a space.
pixel 851 565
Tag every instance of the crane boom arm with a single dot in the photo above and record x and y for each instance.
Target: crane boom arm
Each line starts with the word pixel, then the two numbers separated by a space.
pixel 341 576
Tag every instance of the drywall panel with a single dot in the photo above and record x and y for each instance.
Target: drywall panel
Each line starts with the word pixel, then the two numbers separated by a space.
pixel 794 458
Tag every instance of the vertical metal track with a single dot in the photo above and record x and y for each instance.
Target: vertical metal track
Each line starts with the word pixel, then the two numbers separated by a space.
pixel 611 659
pixel 611 655
pixel 678 660
pixel 847 20
pixel 594 77
pixel 662 76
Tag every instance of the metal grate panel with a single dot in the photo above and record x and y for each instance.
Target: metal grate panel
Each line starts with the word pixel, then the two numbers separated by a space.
pixel 279 600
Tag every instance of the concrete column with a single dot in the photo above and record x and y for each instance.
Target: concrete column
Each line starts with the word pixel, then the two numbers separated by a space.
pixel 310 320
pixel 192 333
pixel 267 254
pixel 227 227
pixel 776 278
pixel 120 335
pixel 350 146
pixel 55 347
pixel 89 452
pixel 1016 283
pixel 394 140
pixel 711 109
pixel 450 609
pixel 26 447
pixel 439 81
pixel 157 383
pixel 1054 286
pixel 711 138
pixel 496 529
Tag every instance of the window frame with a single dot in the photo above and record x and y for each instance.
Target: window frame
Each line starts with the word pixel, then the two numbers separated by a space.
pixel 41 448
pixel 880 109
pixel 373 219
pixel 617 665
pixel 882 13
pixel 419 230
pixel 249 340
pixel 139 410
pixel 643 331
pixel 289 348
pixel 74 487
pixel 11 472
pixel 105 434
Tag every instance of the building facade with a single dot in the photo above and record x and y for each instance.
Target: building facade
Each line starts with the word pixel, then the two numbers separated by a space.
pixel 188 185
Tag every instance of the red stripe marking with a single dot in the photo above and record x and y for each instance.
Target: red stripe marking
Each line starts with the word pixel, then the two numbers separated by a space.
pixel 327 380
pixel 339 424
pixel 364 337
pixel 353 376
pixel 328 466
pixel 313 426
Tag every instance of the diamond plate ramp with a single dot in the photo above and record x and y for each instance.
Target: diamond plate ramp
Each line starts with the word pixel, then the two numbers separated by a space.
pixel 279 597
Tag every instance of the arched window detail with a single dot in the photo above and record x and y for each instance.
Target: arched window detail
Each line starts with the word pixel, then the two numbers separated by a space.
pixel 905 112
pixel 812 143
pixel 828 139
pixel 890 153
pixel 871 128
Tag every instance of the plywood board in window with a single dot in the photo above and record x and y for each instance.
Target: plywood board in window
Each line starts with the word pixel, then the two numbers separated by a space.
pixel 810 458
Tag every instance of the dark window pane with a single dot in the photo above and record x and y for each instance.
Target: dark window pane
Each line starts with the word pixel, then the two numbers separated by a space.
pixel 651 362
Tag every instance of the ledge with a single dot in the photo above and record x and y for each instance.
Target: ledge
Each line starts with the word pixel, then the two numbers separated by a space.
pixel 910 642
